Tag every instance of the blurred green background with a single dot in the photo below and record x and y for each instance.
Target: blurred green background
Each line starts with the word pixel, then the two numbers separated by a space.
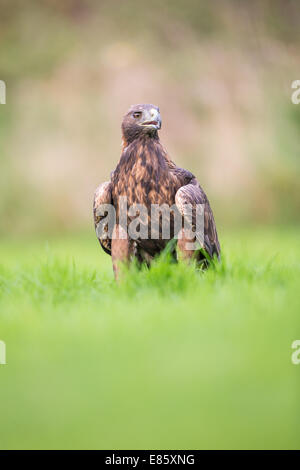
pixel 171 358
pixel 221 75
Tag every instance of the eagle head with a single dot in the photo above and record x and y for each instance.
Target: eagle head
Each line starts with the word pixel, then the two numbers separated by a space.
pixel 141 119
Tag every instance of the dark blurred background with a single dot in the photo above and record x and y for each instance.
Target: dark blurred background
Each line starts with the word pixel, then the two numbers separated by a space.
pixel 221 73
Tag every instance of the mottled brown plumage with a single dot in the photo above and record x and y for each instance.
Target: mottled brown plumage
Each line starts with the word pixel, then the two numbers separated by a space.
pixel 146 175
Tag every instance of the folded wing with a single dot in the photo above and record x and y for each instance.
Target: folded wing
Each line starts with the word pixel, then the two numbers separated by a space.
pixel 102 197
pixel 193 194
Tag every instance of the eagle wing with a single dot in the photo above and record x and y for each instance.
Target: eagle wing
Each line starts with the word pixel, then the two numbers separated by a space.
pixel 193 194
pixel 102 196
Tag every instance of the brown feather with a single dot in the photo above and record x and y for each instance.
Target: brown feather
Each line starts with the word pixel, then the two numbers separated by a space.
pixel 146 175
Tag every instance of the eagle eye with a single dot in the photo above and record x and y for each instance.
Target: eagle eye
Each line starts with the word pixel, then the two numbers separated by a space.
pixel 137 114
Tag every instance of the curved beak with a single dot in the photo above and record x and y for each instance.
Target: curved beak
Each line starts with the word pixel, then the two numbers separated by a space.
pixel 153 119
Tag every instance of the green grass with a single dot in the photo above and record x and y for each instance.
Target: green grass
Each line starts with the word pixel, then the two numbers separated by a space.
pixel 169 359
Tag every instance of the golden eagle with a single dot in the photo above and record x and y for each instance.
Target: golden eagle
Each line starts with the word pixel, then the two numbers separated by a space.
pixel 146 177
